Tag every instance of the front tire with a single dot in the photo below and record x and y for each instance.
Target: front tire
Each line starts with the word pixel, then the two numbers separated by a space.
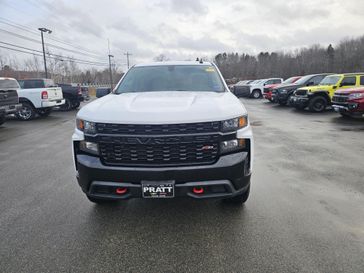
pixel 345 115
pixel 256 94
pixel 76 105
pixel 239 199
pixel 45 112
pixel 317 104
pixel 27 112
pixel 282 103
pixel 67 106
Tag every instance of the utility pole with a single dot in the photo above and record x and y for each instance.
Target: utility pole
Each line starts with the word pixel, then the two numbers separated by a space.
pixel 127 54
pixel 110 70
pixel 43 29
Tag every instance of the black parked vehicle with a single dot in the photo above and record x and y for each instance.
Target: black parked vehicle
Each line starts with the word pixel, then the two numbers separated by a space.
pixel 9 100
pixel 102 91
pixel 73 96
pixel 283 94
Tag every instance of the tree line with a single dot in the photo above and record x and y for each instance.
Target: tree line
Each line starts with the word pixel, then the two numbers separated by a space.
pixel 61 71
pixel 346 56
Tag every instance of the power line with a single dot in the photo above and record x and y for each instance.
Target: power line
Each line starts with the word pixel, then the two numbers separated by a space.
pixel 55 58
pixel 47 44
pixel 25 28
pixel 56 55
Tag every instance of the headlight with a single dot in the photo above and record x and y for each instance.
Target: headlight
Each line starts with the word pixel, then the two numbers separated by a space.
pixel 89 147
pixel 356 96
pixel 86 126
pixel 232 145
pixel 234 124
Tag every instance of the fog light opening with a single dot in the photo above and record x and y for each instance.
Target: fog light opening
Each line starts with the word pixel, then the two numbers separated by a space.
pixel 121 190
pixel 198 190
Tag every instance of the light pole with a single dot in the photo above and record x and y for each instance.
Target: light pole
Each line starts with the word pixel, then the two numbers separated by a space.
pixel 43 29
pixel 111 83
pixel 127 54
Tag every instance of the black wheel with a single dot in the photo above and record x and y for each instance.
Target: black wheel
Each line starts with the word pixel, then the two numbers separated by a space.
pixel 67 106
pixel 100 201
pixel 239 199
pixel 76 104
pixel 317 104
pixel 282 103
pixel 27 112
pixel 256 94
pixel 2 120
pixel 44 112
pixel 345 115
pixel 299 107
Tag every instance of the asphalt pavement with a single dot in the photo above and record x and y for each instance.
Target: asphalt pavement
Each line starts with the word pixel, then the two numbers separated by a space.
pixel 305 212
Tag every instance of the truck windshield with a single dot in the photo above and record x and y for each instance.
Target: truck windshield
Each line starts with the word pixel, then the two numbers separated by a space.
pixel 171 78
pixel 303 80
pixel 8 83
pixel 289 80
pixel 330 80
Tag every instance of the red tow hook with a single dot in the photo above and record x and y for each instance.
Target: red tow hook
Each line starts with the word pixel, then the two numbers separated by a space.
pixel 198 190
pixel 121 190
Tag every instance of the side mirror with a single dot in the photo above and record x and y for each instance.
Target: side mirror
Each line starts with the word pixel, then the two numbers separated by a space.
pixel 100 92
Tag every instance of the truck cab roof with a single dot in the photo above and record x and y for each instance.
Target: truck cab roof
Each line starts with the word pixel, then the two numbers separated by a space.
pixel 169 63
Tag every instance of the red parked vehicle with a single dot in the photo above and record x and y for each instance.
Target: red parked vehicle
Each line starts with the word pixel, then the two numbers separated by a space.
pixel 349 102
pixel 269 88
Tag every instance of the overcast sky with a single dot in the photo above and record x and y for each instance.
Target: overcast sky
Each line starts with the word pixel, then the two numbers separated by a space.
pixel 185 29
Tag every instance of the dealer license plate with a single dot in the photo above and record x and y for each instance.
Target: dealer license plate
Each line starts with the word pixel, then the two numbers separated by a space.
pixel 158 189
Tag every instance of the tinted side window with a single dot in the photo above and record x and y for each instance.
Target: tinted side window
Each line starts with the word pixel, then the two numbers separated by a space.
pixel 317 79
pixel 276 81
pixel 362 80
pixel 348 81
pixel 21 83
pixel 28 84
pixel 269 82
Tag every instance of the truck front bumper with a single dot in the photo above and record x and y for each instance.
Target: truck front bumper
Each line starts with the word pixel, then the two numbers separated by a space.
pixel 299 101
pixel 229 176
pixel 53 103
pixel 10 109
pixel 351 108
pixel 268 95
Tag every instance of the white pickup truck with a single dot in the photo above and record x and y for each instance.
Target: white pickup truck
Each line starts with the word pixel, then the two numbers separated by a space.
pixel 170 129
pixel 254 89
pixel 38 96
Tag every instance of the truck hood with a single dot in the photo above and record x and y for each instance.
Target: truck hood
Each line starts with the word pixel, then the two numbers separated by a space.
pixel 163 107
pixel 350 91
pixel 288 86
pixel 317 88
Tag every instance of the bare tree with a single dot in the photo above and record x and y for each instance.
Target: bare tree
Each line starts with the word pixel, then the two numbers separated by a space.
pixel 161 58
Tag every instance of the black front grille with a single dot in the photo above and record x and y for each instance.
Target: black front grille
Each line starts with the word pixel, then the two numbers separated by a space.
pixel 8 97
pixel 242 88
pixel 165 129
pixel 340 98
pixel 301 92
pixel 160 151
